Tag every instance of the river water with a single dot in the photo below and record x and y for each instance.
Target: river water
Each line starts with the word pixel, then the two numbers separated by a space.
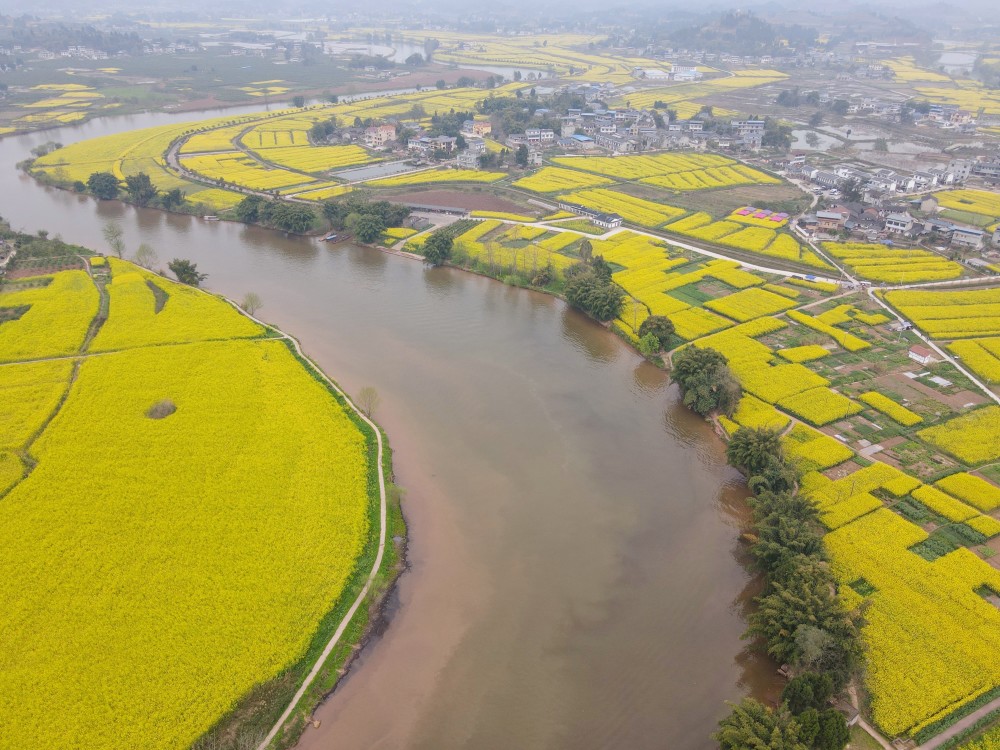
pixel 576 579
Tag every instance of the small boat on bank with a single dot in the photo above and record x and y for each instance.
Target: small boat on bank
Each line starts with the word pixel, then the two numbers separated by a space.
pixel 330 237
pixel 210 218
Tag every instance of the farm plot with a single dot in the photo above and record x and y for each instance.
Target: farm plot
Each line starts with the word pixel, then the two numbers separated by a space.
pixel 557 179
pixel 54 318
pixel 97 552
pixel 969 314
pixel 980 202
pixel 191 558
pixel 316 159
pixel 756 239
pixel 982 356
pixel 499 245
pixel 972 438
pixel 147 309
pixel 650 280
pixel 680 172
pixel 437 176
pixel 893 266
pixel 635 210
pixel 120 154
pixel 240 169
pixel 927 630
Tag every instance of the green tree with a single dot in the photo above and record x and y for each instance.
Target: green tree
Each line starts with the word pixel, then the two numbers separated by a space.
pixel 591 292
pixel 248 210
pixel 776 476
pixel 808 725
pixel 437 248
pixel 788 534
pixel 415 59
pixel 288 217
pixel 103 185
pixel 752 449
pixel 660 326
pixel 705 380
pixel 833 732
pixel 521 156
pixel 753 726
pixel 440 84
pixel 649 345
pixel 586 250
pixel 601 268
pixel 807 690
pixel 368 227
pixel 140 188
pixel 172 199
pixel 881 144
pixel 298 101
pixel 186 272
pixel 852 189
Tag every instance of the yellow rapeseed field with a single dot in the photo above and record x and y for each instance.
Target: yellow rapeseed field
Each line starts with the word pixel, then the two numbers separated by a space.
pixel 56 321
pixel 930 636
pixel 173 564
pixel 186 315
pixel 167 564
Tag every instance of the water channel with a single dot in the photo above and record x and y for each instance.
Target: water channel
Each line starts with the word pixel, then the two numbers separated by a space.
pixel 576 579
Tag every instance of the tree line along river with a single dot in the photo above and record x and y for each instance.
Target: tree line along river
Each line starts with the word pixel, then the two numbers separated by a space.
pixel 575 575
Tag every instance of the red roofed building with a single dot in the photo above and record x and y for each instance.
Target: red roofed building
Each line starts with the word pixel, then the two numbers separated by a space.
pixel 922 354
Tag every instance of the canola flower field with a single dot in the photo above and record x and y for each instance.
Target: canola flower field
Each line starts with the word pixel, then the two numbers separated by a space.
pixel 968 320
pixel 180 561
pixel 56 320
pixel 893 266
pixel 757 239
pixel 927 626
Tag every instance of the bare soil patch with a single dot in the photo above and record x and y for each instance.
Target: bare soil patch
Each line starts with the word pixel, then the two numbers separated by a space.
pixel 722 201
pixel 458 199
pixel 40 270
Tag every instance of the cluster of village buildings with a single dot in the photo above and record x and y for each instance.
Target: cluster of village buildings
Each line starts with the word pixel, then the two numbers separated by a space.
pixel 912 220
pixel 893 204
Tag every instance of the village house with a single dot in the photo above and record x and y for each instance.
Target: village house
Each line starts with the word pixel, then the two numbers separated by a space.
pixel 477 127
pixel 427 145
pixel 467 159
pixel 899 223
pixel 378 135
pixel 921 354
pixel 750 132
pixel 967 237
pixel 830 221
pixel 600 218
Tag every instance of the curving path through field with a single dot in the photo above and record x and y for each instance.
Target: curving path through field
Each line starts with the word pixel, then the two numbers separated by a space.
pixel 376 566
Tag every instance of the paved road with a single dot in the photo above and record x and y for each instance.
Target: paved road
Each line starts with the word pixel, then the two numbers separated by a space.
pixel 961 725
